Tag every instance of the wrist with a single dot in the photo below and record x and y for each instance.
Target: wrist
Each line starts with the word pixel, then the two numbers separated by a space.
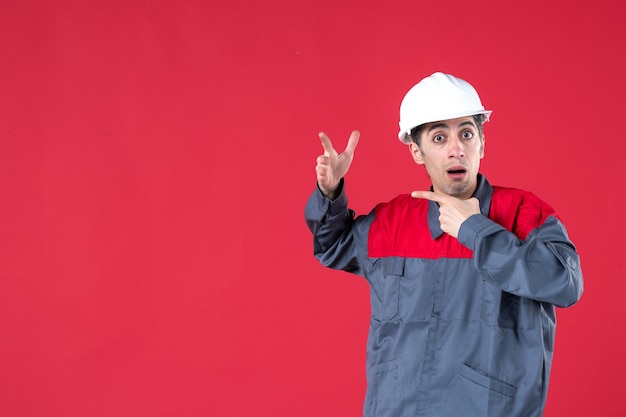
pixel 330 192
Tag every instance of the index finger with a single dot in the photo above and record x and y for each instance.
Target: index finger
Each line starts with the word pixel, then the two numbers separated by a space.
pixel 429 195
pixel 326 144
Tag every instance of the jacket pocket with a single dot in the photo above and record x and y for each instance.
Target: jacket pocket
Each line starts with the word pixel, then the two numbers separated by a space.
pixel 393 271
pixel 474 393
pixel 382 384
pixel 486 381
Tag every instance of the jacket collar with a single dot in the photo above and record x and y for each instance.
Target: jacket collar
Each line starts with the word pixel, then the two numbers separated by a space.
pixel 483 193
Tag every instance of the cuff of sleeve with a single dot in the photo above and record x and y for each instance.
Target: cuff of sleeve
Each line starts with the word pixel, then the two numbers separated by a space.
pixel 474 228
pixel 339 204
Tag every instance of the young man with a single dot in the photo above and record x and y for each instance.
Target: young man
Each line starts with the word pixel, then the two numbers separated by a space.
pixel 464 279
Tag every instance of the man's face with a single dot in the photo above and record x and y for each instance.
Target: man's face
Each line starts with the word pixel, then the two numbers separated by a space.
pixel 451 151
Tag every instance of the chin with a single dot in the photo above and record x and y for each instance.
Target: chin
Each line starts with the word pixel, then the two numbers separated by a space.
pixel 459 191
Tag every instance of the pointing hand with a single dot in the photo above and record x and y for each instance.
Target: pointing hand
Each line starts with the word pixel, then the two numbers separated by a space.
pixel 452 211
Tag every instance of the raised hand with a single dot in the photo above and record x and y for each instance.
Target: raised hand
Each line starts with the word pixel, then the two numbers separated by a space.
pixel 452 211
pixel 332 166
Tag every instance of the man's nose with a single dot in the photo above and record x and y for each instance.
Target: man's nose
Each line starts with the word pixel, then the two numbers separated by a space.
pixel 456 148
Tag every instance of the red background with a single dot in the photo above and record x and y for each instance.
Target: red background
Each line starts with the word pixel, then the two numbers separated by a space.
pixel 156 156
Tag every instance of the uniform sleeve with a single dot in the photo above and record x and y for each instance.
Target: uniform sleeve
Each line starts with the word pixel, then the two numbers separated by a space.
pixel 334 231
pixel 544 266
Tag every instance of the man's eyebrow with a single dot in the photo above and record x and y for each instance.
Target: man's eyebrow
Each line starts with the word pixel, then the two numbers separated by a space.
pixel 468 123
pixel 436 126
pixel 444 125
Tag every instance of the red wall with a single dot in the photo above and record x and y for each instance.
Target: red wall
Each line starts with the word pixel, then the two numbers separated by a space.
pixel 156 156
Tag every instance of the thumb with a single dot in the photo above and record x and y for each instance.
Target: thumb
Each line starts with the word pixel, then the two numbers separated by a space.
pixel 353 141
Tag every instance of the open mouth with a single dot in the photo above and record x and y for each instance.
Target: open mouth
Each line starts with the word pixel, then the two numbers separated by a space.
pixel 456 171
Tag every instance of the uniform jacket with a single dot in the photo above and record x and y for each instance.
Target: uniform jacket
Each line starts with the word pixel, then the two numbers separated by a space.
pixel 458 327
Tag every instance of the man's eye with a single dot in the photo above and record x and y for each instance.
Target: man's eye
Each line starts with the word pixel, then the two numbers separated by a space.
pixel 438 138
pixel 467 135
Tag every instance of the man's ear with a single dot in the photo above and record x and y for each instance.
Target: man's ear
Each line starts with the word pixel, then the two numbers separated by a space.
pixel 482 147
pixel 416 153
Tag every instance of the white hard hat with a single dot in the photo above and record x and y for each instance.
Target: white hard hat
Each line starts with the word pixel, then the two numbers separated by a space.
pixel 438 97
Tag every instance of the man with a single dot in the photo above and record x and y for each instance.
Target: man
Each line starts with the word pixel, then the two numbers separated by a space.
pixel 464 279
